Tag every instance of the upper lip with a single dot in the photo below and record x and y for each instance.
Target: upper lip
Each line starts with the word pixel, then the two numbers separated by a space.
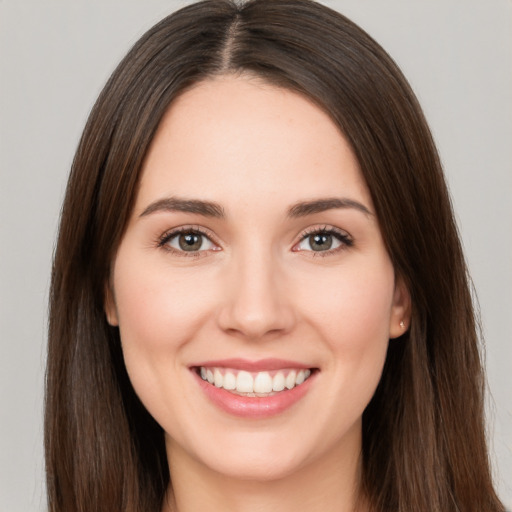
pixel 259 365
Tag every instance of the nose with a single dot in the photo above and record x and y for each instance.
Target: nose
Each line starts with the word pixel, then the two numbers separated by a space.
pixel 257 303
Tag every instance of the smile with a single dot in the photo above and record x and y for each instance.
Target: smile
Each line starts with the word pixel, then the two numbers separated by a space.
pixel 254 384
pixel 254 389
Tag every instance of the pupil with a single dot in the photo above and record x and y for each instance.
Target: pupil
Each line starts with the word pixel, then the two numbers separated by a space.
pixel 320 242
pixel 190 242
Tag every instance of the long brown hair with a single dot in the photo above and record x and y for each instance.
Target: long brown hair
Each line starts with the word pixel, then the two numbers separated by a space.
pixel 424 446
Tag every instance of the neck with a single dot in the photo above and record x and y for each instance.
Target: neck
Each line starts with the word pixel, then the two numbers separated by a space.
pixel 328 484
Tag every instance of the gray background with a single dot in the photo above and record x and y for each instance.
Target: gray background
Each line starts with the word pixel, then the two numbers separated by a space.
pixel 55 55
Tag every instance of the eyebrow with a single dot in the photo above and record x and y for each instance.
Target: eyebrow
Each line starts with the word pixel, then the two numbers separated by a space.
pixel 211 209
pixel 305 208
pixel 176 204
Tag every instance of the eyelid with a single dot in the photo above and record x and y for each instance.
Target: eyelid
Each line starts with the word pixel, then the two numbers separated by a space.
pixel 340 234
pixel 163 240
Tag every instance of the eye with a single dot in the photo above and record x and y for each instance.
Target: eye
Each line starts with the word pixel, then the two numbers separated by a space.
pixel 323 240
pixel 187 240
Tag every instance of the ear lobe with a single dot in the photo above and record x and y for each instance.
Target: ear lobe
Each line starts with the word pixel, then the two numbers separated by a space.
pixel 400 318
pixel 110 306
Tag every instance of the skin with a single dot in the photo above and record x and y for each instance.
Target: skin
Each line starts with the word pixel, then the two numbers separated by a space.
pixel 256 289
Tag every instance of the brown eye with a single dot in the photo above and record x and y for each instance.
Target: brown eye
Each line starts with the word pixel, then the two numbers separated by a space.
pixel 324 240
pixel 320 242
pixel 188 241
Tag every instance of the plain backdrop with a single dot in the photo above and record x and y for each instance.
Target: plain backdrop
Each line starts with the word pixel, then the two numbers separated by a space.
pixel 55 56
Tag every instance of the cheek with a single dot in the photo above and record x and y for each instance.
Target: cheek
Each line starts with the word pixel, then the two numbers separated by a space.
pixel 155 306
pixel 352 306
pixel 352 318
pixel 159 312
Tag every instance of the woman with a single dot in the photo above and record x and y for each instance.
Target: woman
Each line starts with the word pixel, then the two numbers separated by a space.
pixel 259 299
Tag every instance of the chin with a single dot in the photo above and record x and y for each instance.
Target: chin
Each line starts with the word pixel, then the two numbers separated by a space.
pixel 250 456
pixel 258 467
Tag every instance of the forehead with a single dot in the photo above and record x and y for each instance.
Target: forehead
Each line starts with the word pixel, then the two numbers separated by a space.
pixel 237 137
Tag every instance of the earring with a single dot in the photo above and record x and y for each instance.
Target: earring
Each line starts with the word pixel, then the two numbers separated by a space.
pixel 402 324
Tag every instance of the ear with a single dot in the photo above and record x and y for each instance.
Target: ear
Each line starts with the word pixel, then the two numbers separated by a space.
pixel 110 305
pixel 400 318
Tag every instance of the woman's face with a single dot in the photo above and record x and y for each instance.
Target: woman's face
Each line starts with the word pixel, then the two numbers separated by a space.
pixel 252 289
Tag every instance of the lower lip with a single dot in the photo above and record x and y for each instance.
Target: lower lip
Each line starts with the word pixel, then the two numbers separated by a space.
pixel 254 407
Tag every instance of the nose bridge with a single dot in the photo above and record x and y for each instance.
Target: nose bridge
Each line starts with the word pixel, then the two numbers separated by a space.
pixel 256 303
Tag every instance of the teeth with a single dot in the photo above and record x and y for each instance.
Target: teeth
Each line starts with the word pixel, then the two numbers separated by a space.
pixel 244 382
pixel 229 381
pixel 278 382
pixel 290 380
pixel 263 383
pixel 217 378
pixel 258 383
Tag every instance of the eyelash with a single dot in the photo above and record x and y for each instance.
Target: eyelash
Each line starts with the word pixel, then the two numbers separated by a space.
pixel 342 236
pixel 345 240
pixel 163 241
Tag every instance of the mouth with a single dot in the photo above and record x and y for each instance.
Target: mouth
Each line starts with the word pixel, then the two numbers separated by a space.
pixel 254 384
pixel 254 390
